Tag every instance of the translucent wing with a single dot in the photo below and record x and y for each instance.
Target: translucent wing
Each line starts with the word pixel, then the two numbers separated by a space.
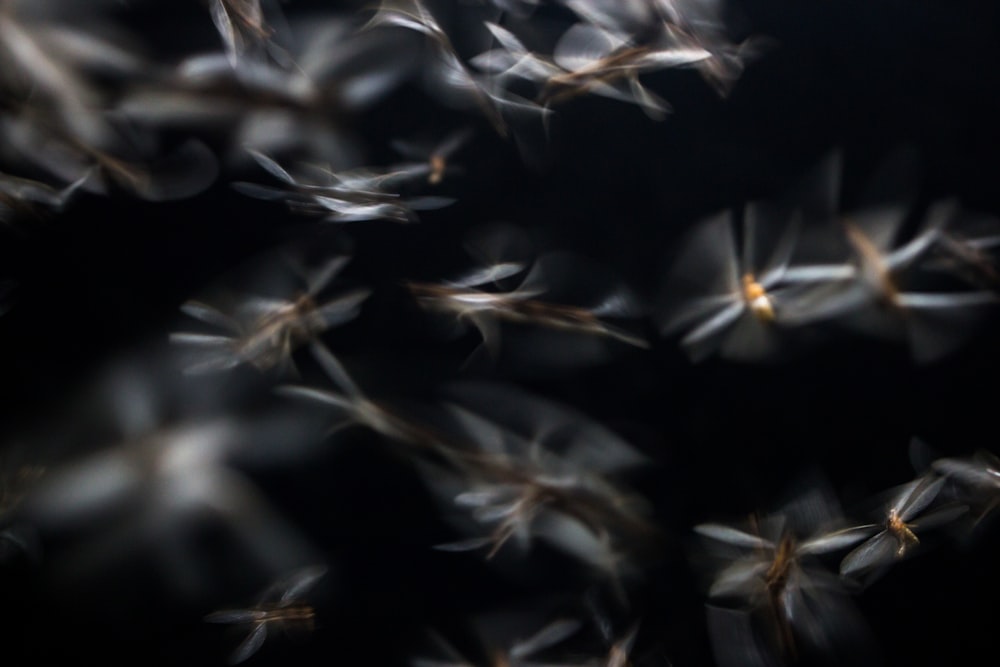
pixel 211 315
pixel 836 540
pixel 939 517
pixel 271 166
pixel 544 638
pixel 301 582
pixel 334 369
pixel 203 340
pixel 583 45
pixel 318 279
pixel 342 309
pixel 250 645
pixel 493 273
pixel 743 579
pixel 916 496
pixel 877 551
pixel 971 472
pixel 233 616
pixel 732 536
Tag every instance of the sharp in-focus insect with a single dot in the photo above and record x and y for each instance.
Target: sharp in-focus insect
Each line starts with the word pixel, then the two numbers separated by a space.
pixel 264 331
pixel 346 196
pixel 898 534
pixel 280 607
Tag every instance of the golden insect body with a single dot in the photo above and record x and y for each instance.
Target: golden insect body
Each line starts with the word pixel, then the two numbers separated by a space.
pixel 757 298
pixel 901 530
pixel 438 164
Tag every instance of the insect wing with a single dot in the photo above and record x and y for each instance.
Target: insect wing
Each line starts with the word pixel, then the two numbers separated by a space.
pixel 211 315
pixel 453 142
pixel 334 369
pixel 836 540
pixel 973 473
pixel 939 517
pixel 223 23
pixel 342 309
pixel 493 273
pixel 916 496
pixel 620 650
pixel 547 636
pixel 732 536
pixel 877 551
pixel 742 579
pixel 301 582
pixel 250 645
pixel 233 616
pixel 271 166
pixel 319 278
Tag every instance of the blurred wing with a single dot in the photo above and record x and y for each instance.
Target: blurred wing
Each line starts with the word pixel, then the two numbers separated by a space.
pixel 584 45
pixel 211 315
pixel 879 550
pixel 300 582
pixel 916 496
pixel 250 645
pixel 343 308
pixel 233 616
pixel 318 279
pixel 547 636
pixel 836 540
pixel 741 579
pixel 732 536
pixel 334 369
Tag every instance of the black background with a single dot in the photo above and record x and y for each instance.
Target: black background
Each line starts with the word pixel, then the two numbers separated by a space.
pixel 106 279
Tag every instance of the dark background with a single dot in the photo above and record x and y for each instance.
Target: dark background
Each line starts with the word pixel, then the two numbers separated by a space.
pixel 106 279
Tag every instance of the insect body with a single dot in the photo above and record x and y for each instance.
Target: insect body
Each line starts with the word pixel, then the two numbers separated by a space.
pixel 899 530
pixel 280 607
pixel 757 298
pixel 265 332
